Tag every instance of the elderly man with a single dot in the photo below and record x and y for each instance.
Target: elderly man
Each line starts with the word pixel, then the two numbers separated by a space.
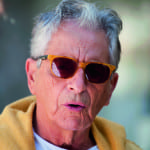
pixel 75 51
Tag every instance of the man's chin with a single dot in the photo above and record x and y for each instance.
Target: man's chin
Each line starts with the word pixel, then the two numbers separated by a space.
pixel 74 124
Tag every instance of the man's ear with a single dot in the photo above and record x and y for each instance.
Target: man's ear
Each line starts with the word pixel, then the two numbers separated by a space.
pixel 31 69
pixel 113 82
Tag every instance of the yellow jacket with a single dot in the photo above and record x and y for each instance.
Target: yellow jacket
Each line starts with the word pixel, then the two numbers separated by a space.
pixel 16 129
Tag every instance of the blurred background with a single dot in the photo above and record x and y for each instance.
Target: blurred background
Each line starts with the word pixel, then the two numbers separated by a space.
pixel 130 103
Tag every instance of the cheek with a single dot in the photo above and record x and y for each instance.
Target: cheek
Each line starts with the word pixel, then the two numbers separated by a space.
pixel 46 91
pixel 44 81
pixel 99 98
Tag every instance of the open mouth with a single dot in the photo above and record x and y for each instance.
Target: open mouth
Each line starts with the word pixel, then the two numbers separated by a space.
pixel 76 107
pixel 73 105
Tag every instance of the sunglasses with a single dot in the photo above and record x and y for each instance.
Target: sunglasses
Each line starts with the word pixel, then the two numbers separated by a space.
pixel 65 67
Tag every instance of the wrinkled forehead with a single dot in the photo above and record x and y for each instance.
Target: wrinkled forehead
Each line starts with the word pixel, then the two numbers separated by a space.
pixel 72 40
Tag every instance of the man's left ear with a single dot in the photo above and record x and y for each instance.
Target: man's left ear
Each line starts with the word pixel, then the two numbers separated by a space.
pixel 113 82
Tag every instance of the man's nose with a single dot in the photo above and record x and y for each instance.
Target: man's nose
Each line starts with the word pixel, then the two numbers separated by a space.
pixel 77 83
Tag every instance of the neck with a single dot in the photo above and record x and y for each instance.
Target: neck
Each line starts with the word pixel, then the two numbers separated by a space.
pixel 69 139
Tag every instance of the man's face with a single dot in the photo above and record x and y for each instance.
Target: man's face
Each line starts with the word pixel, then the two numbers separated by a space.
pixel 72 103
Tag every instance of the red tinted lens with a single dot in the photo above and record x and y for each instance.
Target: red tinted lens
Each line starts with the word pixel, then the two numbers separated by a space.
pixel 64 67
pixel 97 73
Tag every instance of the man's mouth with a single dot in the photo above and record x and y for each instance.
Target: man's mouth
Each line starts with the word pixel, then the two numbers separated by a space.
pixel 75 106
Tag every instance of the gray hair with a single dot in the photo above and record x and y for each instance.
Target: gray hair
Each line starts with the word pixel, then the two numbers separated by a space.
pixel 87 15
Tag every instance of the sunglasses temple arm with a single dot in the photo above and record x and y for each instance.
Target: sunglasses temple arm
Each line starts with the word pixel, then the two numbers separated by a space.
pixel 44 57
pixel 111 75
pixel 39 59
